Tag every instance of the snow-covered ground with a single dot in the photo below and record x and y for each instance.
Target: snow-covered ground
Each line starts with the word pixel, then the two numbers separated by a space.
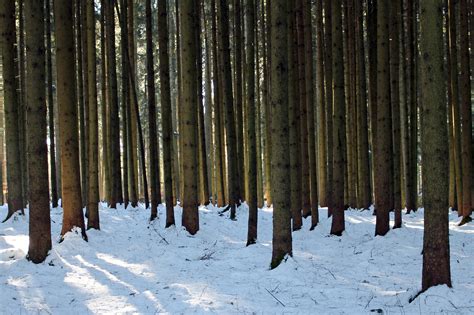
pixel 131 266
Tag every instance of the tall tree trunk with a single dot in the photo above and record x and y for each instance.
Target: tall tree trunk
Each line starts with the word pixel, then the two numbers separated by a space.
pixel 228 108
pixel 252 143
pixel 363 171
pixel 190 219
pixel 38 192
pixel 114 127
pixel 294 121
pixel 219 137
pixel 436 265
pixel 282 242
pixel 321 106
pixel 153 147
pixel 454 104
pixel 49 79
pixel 466 112
pixel 105 108
pixel 93 161
pixel 22 106
pixel 395 7
pixel 11 98
pixel 266 28
pixel 309 82
pixel 166 115
pixel 72 204
pixel 383 148
pixel 337 200
pixel 327 6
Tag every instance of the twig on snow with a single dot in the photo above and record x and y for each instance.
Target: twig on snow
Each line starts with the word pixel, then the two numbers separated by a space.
pixel 275 298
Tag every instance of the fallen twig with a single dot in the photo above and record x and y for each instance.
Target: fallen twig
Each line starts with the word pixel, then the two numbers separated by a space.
pixel 275 297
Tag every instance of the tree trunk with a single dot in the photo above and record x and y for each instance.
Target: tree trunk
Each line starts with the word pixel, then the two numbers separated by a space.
pixel 282 243
pixel 72 204
pixel 327 6
pixel 93 161
pixel 294 121
pixel 14 178
pixel 337 200
pixel 38 192
pixel 49 79
pixel 466 117
pixel 190 219
pixel 436 265
pixel 252 143
pixel 383 147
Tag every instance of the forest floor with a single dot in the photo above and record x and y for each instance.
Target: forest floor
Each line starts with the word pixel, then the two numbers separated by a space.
pixel 131 266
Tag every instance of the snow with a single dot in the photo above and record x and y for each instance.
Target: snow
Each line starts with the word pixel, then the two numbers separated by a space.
pixel 131 266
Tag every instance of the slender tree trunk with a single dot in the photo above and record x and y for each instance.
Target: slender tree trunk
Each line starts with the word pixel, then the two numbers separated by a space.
pixel 93 165
pixel 327 6
pixel 22 106
pixel 372 60
pixel 466 112
pixel 153 147
pixel 114 128
pixel 383 148
pixel 395 7
pixel 436 265
pixel 166 114
pixel 363 171
pixel 252 143
pixel 38 192
pixel 282 242
pixel 105 108
pixel 11 98
pixel 233 180
pixel 266 28
pixel 294 120
pixel 49 78
pixel 321 107
pixel 337 200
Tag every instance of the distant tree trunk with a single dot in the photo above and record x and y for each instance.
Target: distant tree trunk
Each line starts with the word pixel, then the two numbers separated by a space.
pixel 321 106
pixel 266 28
pixel 238 102
pixel 258 129
pixel 190 219
pixel 203 182
pixel 302 92
pixel 454 104
pixel 2 143
pixel 363 171
pixel 228 107
pixel 49 78
pixel 22 106
pixel 309 82
pixel 114 126
pixel 11 99
pixel 337 200
pixel 282 242
pixel 436 265
pixel 105 108
pixel 327 6
pixel 166 115
pixel 38 192
pixel 153 146
pixel 383 148
pixel 219 137
pixel 412 185
pixel 252 143
pixel 72 204
pixel 93 165
pixel 394 29
pixel 466 112
pixel 372 64
pixel 294 121
pixel 125 100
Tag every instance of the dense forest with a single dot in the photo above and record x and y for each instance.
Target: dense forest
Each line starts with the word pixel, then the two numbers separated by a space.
pixel 294 105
